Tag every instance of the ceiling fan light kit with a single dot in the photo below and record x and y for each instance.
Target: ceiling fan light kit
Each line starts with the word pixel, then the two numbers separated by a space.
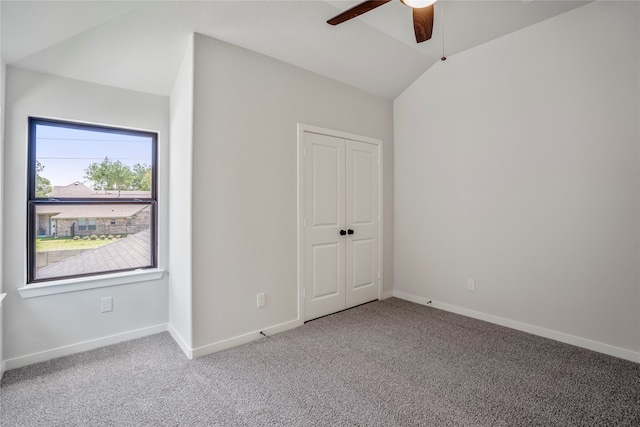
pixel 422 15
pixel 418 4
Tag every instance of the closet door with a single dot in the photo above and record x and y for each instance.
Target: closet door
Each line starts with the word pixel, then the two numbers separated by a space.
pixel 341 224
pixel 324 251
pixel 362 209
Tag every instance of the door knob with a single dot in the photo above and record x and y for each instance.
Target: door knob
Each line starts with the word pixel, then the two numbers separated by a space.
pixel 350 231
pixel 342 232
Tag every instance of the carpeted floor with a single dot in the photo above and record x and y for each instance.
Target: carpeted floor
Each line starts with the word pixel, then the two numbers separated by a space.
pixel 387 363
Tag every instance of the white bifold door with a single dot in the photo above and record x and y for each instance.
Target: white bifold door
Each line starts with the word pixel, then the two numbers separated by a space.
pixel 341 224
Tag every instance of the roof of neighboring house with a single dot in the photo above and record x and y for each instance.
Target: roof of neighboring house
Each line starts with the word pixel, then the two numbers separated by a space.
pixel 48 210
pixel 100 211
pixel 79 190
pixel 90 211
pixel 129 252
pixel 75 189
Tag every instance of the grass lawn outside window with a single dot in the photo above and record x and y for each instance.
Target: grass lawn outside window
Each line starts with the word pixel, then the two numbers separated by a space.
pixel 49 243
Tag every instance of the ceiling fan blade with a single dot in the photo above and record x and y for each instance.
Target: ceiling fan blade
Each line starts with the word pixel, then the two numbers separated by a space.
pixel 356 10
pixel 423 23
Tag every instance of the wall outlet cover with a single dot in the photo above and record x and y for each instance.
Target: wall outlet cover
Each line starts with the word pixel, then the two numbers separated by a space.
pixel 106 304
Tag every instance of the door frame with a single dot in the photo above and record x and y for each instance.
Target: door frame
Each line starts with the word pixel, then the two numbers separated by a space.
pixel 302 128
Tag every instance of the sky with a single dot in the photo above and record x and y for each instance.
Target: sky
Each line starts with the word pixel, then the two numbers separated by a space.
pixel 65 153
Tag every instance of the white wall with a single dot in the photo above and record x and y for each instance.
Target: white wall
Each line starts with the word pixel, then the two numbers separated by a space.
pixel 180 190
pixel 37 327
pixel 246 109
pixel 517 165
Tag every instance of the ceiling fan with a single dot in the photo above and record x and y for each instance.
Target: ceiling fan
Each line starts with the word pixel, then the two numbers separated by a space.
pixel 422 15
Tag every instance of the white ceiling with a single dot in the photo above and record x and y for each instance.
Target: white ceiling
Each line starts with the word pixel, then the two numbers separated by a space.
pixel 138 45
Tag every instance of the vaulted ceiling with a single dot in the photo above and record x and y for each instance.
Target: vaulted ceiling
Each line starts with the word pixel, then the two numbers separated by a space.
pixel 139 45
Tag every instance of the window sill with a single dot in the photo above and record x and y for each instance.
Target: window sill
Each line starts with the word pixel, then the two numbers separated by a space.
pixel 84 283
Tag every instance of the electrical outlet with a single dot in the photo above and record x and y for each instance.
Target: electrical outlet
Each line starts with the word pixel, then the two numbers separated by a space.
pixel 471 285
pixel 261 300
pixel 106 304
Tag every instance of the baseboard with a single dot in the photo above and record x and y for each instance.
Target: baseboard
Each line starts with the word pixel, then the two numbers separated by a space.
pixel 525 327
pixel 386 295
pixel 412 298
pixel 29 359
pixel 3 367
pixel 243 339
pixel 186 349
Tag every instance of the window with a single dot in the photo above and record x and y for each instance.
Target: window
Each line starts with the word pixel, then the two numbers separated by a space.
pixel 86 182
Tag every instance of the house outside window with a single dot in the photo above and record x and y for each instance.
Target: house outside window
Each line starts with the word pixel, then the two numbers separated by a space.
pixel 91 189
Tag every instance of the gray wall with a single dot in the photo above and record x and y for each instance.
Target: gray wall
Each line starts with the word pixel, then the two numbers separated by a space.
pixel 517 165
pixel 37 327
pixel 246 109
pixel 180 190
pixel 3 70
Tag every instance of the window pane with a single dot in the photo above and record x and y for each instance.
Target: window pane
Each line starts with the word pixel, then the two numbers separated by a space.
pixel 78 162
pixel 92 199
pixel 117 237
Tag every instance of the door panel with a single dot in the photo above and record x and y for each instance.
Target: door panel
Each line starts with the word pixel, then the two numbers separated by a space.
pixel 363 259
pixel 362 172
pixel 362 209
pixel 324 180
pixel 326 274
